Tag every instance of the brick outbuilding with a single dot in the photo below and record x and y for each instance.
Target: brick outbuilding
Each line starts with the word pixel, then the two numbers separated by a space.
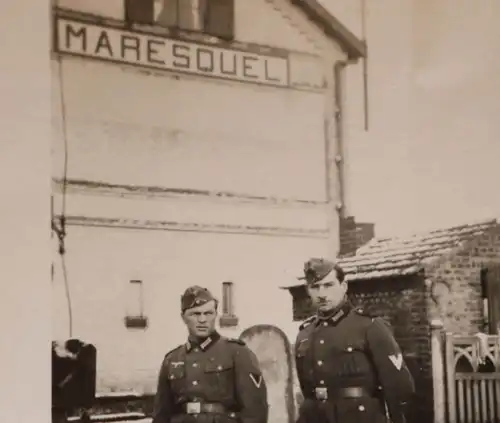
pixel 452 274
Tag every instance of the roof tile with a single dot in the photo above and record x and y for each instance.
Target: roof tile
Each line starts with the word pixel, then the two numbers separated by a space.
pixel 385 257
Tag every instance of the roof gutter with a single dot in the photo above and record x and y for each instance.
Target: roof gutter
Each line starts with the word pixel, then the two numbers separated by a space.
pixel 338 70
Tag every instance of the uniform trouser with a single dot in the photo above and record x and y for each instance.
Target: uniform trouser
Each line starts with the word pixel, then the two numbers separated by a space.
pixel 351 410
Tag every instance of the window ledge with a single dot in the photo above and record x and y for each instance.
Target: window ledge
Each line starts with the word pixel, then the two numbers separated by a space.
pixel 136 322
pixel 228 321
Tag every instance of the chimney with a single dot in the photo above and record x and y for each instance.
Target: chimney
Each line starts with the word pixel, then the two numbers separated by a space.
pixel 353 235
pixel 364 233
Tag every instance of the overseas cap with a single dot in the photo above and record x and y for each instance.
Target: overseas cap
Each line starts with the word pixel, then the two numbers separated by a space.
pixel 316 269
pixel 195 296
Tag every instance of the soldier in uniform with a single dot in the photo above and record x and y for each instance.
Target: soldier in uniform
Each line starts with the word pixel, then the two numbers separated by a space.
pixel 210 378
pixel 349 366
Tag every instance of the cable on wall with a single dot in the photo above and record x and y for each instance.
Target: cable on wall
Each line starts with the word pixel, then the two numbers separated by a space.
pixel 59 224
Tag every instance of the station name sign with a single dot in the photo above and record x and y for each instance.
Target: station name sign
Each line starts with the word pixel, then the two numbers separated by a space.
pixel 156 52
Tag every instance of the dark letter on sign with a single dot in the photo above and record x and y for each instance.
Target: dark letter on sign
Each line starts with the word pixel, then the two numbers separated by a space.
pixel 268 77
pixel 224 66
pixel 248 67
pixel 203 52
pixel 152 51
pixel 177 53
pixel 130 43
pixel 82 33
pixel 103 42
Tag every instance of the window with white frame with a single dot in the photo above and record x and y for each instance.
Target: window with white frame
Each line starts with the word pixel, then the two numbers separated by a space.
pixel 211 17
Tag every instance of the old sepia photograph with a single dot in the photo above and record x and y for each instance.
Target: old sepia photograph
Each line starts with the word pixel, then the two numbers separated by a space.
pixel 252 211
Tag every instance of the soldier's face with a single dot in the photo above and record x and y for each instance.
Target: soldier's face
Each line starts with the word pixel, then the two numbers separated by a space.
pixel 200 321
pixel 328 293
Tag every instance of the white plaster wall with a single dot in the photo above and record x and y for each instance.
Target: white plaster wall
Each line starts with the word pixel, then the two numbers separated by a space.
pixel 134 127
pixel 187 132
pixel 101 262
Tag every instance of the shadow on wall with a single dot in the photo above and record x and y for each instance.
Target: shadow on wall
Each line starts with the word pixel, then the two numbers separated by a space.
pixel 273 350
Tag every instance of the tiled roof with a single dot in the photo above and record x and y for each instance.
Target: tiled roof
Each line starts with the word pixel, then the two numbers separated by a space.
pixel 383 257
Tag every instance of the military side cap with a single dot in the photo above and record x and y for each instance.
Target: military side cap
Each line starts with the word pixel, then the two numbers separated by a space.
pixel 316 269
pixel 195 296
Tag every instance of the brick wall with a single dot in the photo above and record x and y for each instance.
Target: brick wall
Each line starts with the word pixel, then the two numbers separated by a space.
pixel 457 291
pixel 402 302
pixel 347 234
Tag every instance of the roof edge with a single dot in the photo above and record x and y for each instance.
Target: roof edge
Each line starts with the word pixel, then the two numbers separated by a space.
pixel 464 246
pixel 354 278
pixel 350 43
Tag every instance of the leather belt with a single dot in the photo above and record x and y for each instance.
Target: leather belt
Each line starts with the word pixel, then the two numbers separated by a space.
pixel 207 408
pixel 323 394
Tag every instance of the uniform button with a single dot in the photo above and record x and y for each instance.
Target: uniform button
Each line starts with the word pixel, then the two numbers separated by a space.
pixel 361 408
pixel 195 382
pixel 321 382
pixel 349 349
pixel 196 350
pixel 325 323
pixel 219 367
pixel 320 363
pixel 195 364
pixel 321 341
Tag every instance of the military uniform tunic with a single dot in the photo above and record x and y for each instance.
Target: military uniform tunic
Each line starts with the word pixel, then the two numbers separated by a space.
pixel 221 373
pixel 351 369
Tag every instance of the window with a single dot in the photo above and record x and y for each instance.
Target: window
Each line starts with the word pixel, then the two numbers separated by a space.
pixel 490 294
pixel 135 317
pixel 211 17
pixel 228 317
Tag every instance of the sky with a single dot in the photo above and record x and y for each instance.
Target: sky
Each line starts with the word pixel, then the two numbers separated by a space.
pixel 431 155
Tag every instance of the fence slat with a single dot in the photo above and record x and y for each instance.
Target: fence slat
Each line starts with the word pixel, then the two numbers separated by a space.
pixel 484 398
pixel 475 396
pixel 450 379
pixel 461 400
pixel 497 416
pixel 491 400
pixel 468 387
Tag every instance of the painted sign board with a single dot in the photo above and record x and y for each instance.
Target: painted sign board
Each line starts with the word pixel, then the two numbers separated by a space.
pixel 152 51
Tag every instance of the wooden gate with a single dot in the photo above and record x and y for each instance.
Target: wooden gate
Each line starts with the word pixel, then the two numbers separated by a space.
pixel 470 381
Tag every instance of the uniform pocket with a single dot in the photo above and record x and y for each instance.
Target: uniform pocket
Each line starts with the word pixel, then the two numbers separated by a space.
pixel 220 376
pixel 176 376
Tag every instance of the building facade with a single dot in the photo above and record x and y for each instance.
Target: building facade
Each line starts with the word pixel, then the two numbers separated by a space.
pixel 192 145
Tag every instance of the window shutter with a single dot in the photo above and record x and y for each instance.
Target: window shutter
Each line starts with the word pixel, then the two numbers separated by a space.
pixel 219 18
pixel 139 11
pixel 493 293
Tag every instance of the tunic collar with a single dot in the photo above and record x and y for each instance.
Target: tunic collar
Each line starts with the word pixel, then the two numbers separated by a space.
pixel 333 318
pixel 202 344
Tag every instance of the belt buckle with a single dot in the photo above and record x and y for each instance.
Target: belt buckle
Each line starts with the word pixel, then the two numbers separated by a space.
pixel 193 408
pixel 321 393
